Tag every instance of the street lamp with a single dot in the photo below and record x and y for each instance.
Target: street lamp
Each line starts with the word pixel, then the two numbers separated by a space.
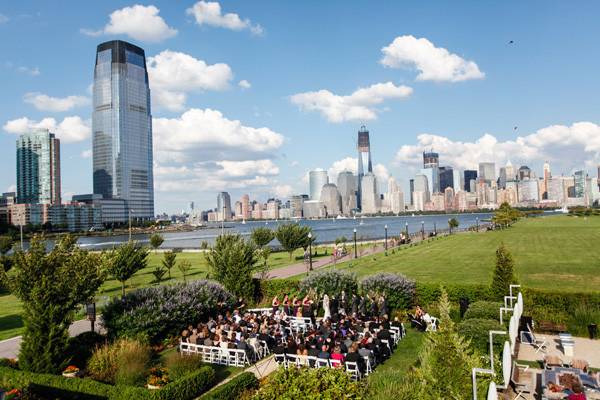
pixel 449 226
pixel 90 310
pixel 385 237
pixel 434 229
pixel 355 254
pixel 422 230
pixel 310 251
pixel 130 210
pixel 477 221
pixel 406 230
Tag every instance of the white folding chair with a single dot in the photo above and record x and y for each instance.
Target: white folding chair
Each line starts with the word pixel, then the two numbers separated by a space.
pixel 281 360
pixel 352 369
pixel 523 380
pixel 291 360
pixel 322 363
pixel 333 363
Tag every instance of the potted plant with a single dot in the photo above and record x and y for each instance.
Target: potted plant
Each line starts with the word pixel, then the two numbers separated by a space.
pixel 158 378
pixel 12 394
pixel 71 372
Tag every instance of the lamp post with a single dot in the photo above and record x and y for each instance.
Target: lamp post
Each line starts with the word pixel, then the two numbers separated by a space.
pixel 310 251
pixel 21 227
pixel 449 226
pixel 355 253
pixel 422 230
pixel 90 310
pixel 130 210
pixel 434 229
pixel 406 230
pixel 223 220
pixel 385 237
pixel 477 221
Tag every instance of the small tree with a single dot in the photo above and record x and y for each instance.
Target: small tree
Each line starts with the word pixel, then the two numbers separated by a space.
pixel 168 261
pixel 184 267
pixel 232 262
pixel 156 240
pixel 292 237
pixel 262 236
pixel 263 255
pixel 503 273
pixel 50 287
pixel 6 244
pixel 452 224
pixel 159 273
pixel 125 261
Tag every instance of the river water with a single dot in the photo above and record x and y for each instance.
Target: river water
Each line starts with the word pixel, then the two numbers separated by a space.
pixel 325 231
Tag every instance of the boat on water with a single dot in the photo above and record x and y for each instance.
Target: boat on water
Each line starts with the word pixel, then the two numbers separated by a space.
pixel 563 210
pixel 342 217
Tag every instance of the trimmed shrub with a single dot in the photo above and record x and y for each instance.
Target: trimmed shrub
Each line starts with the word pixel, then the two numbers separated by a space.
pixel 157 312
pixel 331 282
pixel 234 388
pixel 484 310
pixel 398 289
pixel 124 362
pixel 477 331
pixel 180 366
pixel 189 387
pixel 270 288
pixel 293 383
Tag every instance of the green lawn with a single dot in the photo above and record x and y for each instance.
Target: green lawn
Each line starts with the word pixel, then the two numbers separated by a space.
pixel 553 252
pixel 11 323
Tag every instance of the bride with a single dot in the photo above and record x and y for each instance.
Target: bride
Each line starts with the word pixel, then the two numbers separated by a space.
pixel 327 314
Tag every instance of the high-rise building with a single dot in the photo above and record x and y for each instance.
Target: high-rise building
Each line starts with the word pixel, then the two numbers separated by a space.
pixel 446 178
pixel 316 180
pixel 122 127
pixel 365 165
pixel 502 178
pixel 369 194
pixel 245 207
pixel 469 175
pixel 411 189
pixel 331 199
pixel 579 183
pixel 431 168
pixel 223 207
pixel 487 171
pixel 38 168
pixel 524 172
pixel 296 204
pixel 346 184
pixel 422 186
pixel 457 180
pixel 395 196
pixel 528 191
pixel 547 176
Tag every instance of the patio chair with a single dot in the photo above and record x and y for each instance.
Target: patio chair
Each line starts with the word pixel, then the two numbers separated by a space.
pixel 431 322
pixel 551 361
pixel 369 367
pixel 352 369
pixel 523 380
pixel 322 363
pixel 538 342
pixel 580 364
pixel 280 359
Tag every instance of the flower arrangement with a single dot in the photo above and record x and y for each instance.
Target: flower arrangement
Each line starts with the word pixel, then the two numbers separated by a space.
pixel 71 371
pixel 13 394
pixel 158 377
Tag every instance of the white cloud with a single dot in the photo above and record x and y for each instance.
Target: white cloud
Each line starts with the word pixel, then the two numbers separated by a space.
pixel 433 63
pixel 44 102
pixel 244 84
pixel 359 106
pixel 69 130
pixel 173 74
pixel 138 22
pixel 566 147
pixel 3 19
pixel 87 153
pixel 12 188
pixel 209 13
pixel 351 164
pixel 233 156
pixel 283 191
pixel 33 71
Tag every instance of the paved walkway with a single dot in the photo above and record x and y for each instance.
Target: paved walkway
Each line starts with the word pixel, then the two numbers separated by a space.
pixel 9 348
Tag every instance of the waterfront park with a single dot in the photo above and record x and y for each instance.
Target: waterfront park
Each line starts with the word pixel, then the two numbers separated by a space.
pixel 407 316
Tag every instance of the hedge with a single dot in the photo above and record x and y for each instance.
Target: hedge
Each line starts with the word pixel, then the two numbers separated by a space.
pixel 484 310
pixel 234 388
pixel 477 331
pixel 57 386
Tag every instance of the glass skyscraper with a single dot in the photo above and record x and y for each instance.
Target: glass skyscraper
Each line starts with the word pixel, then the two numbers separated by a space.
pixel 122 128
pixel 365 166
pixel 38 168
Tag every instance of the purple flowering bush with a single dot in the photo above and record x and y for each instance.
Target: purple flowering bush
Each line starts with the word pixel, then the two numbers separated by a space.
pixel 158 312
pixel 397 288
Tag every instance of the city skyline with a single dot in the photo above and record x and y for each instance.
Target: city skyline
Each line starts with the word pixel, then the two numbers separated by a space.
pixel 248 113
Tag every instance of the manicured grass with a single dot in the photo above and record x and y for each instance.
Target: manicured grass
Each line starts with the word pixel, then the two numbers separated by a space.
pixel 558 253
pixel 11 323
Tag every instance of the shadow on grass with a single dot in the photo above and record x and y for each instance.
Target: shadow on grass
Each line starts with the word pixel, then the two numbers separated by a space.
pixel 12 321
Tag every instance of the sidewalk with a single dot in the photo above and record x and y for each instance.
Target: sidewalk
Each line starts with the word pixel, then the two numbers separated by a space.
pixel 9 348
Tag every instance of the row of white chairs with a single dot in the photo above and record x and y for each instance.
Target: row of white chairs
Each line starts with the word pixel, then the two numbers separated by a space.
pixel 216 355
pixel 298 361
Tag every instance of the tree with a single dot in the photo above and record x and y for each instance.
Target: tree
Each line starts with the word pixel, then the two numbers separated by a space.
pixel 6 244
pixel 292 237
pixel 503 273
pixel 50 287
pixel 184 267
pixel 168 261
pixel 156 240
pixel 452 224
pixel 159 273
pixel 232 261
pixel 125 261
pixel 505 215
pixel 445 363
pixel 263 255
pixel 262 236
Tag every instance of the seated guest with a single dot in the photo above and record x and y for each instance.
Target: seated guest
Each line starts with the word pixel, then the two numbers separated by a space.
pixel 353 356
pixel 337 354
pixel 363 351
pixel 324 353
pixel 208 341
pixel 578 393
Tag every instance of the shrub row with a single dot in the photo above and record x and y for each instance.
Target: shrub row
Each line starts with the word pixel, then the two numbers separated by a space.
pixel 484 310
pixel 234 388
pixel 56 386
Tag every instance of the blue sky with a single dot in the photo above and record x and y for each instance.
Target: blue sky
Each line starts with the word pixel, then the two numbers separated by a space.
pixel 214 133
